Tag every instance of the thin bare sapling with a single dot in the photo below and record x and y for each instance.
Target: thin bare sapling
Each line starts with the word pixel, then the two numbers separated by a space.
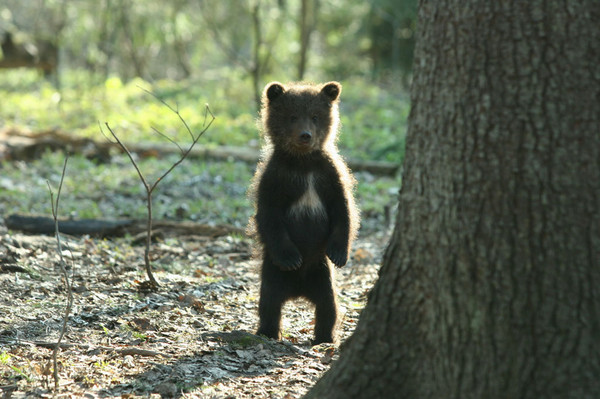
pixel 63 269
pixel 149 187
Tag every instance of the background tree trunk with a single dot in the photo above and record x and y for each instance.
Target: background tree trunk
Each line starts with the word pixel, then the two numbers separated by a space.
pixel 307 23
pixel 490 287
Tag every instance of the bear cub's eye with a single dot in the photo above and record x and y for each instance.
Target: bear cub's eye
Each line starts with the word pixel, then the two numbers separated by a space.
pixel 293 118
pixel 315 118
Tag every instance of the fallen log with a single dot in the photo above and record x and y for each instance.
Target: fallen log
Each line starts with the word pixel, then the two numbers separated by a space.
pixel 251 155
pixel 16 144
pixel 12 269
pixel 114 228
pixel 21 145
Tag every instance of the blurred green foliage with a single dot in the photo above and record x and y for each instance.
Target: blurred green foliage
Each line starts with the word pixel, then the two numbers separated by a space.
pixel 191 53
pixel 182 38
pixel 208 192
pixel 373 119
pixel 194 52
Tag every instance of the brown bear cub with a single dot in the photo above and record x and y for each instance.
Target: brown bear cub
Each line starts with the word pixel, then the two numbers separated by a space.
pixel 305 214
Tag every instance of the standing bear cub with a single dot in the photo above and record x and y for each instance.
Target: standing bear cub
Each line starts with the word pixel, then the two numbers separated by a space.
pixel 305 214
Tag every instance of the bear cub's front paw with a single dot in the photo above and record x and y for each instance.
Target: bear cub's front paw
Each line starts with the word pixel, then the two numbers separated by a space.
pixel 287 258
pixel 337 253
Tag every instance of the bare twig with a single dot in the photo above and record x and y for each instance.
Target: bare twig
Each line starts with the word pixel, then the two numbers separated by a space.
pixel 167 138
pixel 150 187
pixel 121 351
pixel 63 270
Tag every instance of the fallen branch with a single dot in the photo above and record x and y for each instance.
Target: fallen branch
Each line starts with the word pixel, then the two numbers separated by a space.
pixel 114 228
pixel 12 269
pixel 15 144
pixel 132 351
pixel 121 351
pixel 45 225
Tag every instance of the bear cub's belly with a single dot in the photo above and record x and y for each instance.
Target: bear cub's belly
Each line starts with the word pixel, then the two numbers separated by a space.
pixel 307 223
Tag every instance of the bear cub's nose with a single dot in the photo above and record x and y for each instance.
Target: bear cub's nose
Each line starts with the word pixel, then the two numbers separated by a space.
pixel 305 137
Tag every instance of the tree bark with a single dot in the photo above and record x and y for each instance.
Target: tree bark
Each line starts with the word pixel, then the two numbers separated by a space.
pixel 490 287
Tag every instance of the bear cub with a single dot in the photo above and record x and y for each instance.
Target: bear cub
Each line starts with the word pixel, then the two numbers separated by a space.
pixel 305 218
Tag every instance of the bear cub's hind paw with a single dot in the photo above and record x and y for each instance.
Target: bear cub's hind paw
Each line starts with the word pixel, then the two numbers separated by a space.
pixel 268 333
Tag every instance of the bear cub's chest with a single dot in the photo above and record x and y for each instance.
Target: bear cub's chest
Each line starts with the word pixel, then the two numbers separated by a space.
pixel 309 203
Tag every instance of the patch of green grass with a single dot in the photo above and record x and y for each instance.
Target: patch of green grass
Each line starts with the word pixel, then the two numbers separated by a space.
pixel 105 330
pixel 21 373
pixel 104 365
pixel 209 192
pixel 376 193
pixel 247 341
pixel 134 333
pixel 206 192
pixel 4 358
pixel 212 279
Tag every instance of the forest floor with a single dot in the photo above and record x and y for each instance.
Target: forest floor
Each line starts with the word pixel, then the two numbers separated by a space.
pixel 191 338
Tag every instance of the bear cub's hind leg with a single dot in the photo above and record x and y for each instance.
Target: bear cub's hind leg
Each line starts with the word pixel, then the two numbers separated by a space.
pixel 273 294
pixel 326 320
pixel 323 295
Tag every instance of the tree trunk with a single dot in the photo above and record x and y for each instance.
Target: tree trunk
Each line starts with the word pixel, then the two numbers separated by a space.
pixel 138 61
pixel 308 16
pixel 256 68
pixel 490 287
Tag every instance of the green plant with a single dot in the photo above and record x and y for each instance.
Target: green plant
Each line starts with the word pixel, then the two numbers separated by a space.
pixel 134 333
pixel 4 357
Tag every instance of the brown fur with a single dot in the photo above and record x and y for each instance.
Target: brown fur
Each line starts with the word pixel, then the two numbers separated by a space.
pixel 305 214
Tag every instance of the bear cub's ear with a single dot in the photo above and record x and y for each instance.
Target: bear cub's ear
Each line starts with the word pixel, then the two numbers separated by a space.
pixel 274 90
pixel 332 90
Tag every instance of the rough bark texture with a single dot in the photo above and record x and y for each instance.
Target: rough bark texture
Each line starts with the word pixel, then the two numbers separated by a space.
pixel 490 287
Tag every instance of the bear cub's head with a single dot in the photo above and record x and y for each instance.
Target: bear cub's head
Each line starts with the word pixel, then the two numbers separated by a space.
pixel 300 118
